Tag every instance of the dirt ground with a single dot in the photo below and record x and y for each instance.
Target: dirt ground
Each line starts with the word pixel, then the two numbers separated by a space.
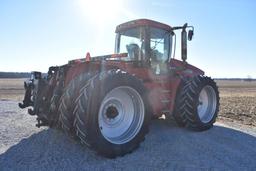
pixel 12 89
pixel 238 101
pixel 166 147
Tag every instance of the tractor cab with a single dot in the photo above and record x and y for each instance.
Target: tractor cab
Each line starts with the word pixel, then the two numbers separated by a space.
pixel 146 42
pixel 150 43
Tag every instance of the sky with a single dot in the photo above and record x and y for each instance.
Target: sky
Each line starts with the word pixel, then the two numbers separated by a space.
pixel 37 34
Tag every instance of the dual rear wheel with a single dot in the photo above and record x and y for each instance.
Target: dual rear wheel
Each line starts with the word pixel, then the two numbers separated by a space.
pixel 110 114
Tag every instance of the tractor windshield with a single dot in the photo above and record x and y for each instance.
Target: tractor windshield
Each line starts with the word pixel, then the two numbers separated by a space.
pixel 144 43
pixel 131 42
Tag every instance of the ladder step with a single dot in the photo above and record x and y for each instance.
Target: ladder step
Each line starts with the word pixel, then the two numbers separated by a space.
pixel 165 101
pixel 165 91
pixel 161 81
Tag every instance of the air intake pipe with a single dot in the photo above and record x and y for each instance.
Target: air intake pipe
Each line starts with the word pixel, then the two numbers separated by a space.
pixel 184 43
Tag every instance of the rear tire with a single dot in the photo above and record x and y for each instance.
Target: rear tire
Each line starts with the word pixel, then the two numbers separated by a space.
pixel 112 114
pixel 67 102
pixel 53 109
pixel 199 103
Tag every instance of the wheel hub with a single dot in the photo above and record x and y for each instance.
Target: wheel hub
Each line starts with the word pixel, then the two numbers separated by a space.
pixel 111 112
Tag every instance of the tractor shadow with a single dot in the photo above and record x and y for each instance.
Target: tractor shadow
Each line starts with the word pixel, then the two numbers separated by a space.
pixel 167 147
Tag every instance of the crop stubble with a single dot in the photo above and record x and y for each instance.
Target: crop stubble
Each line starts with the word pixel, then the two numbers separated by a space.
pixel 238 101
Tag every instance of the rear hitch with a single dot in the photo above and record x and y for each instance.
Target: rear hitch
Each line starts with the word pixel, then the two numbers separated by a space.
pixel 27 98
pixel 29 86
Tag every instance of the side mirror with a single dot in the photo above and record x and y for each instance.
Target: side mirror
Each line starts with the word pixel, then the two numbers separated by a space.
pixel 190 34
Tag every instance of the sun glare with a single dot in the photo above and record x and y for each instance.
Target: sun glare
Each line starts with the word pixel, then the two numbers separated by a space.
pixel 101 12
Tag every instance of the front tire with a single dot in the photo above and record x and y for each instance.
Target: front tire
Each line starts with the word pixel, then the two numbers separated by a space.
pixel 176 112
pixel 199 103
pixel 112 114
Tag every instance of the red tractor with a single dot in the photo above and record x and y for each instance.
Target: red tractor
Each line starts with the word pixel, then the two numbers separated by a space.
pixel 108 101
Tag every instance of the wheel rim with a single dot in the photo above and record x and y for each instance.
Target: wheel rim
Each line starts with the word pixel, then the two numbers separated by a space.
pixel 121 115
pixel 207 104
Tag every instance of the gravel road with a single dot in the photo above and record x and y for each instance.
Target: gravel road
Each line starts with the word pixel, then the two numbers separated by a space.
pixel 167 147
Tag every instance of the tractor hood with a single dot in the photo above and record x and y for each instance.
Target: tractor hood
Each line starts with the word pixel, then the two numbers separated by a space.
pixel 88 57
pixel 185 68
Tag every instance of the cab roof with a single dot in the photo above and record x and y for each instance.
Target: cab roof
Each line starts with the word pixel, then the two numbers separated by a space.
pixel 142 22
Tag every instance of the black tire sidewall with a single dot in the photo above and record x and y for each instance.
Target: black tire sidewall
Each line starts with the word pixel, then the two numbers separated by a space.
pixel 176 112
pixel 102 87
